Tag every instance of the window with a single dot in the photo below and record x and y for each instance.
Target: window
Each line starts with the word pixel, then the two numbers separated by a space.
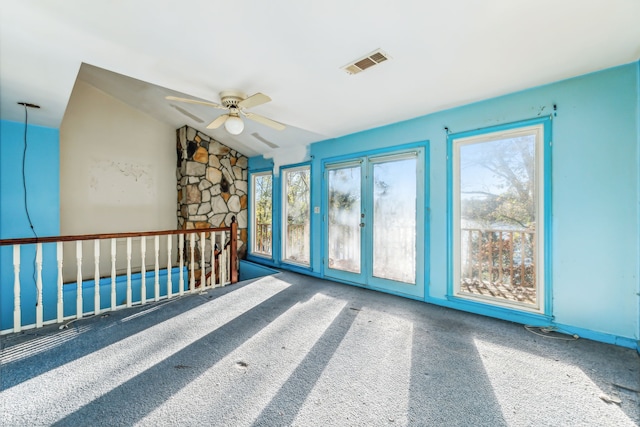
pixel 498 217
pixel 296 215
pixel 262 194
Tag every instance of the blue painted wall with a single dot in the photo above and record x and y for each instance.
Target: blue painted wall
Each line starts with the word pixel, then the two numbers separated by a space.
pixel 42 170
pixel 70 291
pixel 249 270
pixel 595 194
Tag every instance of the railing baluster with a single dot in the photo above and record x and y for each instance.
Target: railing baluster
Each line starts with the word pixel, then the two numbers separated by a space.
pixel 203 265
pixel 143 271
pixel 534 277
pixel 522 258
pixel 233 251
pixel 500 255
pixel 59 296
pixel 128 302
pixel 169 284
pixel 480 256
pixel 511 243
pixel 17 314
pixel 96 277
pixel 79 279
pixel 227 270
pixel 490 254
pixel 156 285
pixel 192 275
pixel 213 259
pixel 181 256
pixel 39 308
pixel 223 259
pixel 470 255
pixel 113 274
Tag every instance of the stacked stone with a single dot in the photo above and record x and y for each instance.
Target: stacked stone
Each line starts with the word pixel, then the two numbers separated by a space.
pixel 212 184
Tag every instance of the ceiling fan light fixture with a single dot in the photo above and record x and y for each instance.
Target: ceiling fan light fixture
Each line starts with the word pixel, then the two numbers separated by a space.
pixel 234 125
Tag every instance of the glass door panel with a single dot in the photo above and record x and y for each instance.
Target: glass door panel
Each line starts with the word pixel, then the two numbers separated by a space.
pixel 394 220
pixel 344 219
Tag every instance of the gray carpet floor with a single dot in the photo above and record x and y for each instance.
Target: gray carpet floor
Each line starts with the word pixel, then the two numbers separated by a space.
pixel 293 350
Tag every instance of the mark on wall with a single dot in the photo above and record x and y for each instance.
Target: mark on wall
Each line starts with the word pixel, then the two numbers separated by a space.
pixel 121 183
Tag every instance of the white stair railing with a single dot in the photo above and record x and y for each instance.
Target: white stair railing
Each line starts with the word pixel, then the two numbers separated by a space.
pixel 124 277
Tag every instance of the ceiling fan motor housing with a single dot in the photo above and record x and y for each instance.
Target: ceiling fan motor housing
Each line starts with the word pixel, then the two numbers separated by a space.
pixel 231 98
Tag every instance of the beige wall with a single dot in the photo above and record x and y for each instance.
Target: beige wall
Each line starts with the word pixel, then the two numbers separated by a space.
pixel 117 167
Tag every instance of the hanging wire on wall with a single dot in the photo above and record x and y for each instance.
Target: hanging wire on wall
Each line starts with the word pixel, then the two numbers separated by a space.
pixel 24 159
pixel 24 179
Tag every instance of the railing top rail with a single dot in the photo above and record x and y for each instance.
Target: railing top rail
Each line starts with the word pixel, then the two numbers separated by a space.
pixel 498 230
pixel 53 239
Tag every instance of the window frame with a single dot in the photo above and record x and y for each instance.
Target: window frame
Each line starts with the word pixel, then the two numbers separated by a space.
pixel 284 216
pixel 252 249
pixel 541 127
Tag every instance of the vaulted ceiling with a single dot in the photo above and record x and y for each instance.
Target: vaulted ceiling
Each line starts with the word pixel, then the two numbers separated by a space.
pixel 442 54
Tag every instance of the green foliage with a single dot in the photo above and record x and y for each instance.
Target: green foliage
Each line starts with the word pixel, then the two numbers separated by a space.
pixel 298 196
pixel 342 200
pixel 263 198
pixel 343 193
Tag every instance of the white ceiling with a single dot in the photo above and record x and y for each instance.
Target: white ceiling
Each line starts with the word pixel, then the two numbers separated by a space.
pixel 444 54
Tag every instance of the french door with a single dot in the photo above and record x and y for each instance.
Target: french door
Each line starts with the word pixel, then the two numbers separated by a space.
pixel 374 223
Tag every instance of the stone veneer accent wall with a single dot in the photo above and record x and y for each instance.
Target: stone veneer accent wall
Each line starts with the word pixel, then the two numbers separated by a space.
pixel 212 184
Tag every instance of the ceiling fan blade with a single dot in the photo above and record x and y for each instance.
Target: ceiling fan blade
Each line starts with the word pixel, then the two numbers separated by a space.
pixel 195 101
pixel 265 121
pixel 254 100
pixel 218 122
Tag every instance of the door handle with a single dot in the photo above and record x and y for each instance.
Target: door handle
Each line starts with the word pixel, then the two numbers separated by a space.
pixel 361 224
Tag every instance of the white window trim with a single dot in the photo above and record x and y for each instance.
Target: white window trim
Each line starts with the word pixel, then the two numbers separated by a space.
pixel 538 131
pixel 284 214
pixel 253 214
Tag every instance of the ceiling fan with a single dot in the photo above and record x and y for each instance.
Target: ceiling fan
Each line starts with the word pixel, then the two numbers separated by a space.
pixel 236 103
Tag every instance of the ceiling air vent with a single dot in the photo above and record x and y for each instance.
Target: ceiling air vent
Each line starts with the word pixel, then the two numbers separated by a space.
pixel 374 58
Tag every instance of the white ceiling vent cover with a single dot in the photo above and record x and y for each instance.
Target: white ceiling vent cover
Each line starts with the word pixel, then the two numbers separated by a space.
pixel 367 61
